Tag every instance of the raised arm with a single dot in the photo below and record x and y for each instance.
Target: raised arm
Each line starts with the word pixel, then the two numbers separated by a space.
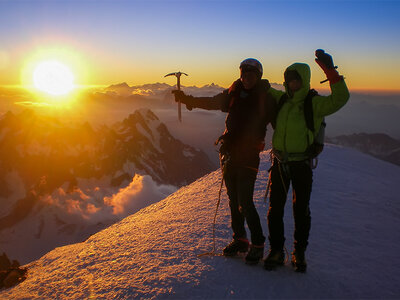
pixel 326 105
pixel 218 102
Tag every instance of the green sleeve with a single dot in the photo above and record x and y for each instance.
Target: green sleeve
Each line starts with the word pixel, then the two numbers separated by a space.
pixel 276 94
pixel 327 105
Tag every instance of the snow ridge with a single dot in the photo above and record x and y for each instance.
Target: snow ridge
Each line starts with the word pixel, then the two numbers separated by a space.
pixel 153 253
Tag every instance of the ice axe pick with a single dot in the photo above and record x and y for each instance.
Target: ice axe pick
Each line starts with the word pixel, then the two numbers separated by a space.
pixel 178 86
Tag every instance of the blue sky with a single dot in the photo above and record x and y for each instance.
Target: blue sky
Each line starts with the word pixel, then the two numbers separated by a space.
pixel 139 41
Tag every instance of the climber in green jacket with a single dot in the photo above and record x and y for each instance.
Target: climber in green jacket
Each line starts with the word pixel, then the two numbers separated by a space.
pixel 292 161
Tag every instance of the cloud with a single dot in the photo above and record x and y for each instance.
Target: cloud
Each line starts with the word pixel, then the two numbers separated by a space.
pixel 92 205
pixel 70 216
pixel 141 192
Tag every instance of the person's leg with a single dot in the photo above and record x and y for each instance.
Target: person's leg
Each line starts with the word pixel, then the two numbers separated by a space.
pixel 239 242
pixel 279 187
pixel 302 184
pixel 245 186
pixel 237 219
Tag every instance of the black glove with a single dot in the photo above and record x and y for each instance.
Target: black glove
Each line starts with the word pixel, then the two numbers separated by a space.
pixel 325 61
pixel 181 97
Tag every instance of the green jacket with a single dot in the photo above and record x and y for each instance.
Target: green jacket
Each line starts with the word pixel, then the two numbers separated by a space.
pixel 291 136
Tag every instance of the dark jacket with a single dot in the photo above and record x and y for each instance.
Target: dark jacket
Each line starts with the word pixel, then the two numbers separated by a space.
pixel 249 112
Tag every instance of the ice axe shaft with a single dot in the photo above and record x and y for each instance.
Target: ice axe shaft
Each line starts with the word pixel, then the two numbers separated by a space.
pixel 178 86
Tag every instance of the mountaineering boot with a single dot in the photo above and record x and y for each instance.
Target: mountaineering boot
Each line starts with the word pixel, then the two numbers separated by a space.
pixel 237 245
pixel 255 254
pixel 299 261
pixel 275 258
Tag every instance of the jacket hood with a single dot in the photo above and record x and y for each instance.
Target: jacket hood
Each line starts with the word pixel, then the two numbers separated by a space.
pixel 305 73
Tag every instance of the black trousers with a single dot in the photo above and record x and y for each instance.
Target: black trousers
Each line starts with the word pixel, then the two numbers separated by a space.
pixel 300 175
pixel 239 182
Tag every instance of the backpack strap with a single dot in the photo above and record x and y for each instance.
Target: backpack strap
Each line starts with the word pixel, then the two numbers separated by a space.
pixel 308 109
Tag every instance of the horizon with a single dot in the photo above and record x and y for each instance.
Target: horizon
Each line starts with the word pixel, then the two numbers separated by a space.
pixel 323 89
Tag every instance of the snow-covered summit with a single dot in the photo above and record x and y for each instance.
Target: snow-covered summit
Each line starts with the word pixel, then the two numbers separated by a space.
pixel 353 251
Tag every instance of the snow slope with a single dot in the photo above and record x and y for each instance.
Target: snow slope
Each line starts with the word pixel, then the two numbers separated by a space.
pixel 353 251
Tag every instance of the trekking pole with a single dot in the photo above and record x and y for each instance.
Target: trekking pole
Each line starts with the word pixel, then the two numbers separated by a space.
pixel 223 168
pixel 178 86
pixel 215 217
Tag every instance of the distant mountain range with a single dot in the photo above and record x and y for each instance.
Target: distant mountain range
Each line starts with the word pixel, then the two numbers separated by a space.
pixel 379 145
pixel 65 176
pixel 162 90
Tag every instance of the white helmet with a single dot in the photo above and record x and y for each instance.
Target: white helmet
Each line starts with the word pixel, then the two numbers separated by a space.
pixel 251 64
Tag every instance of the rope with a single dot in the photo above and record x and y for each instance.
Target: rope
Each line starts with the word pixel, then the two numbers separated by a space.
pixel 268 186
pixel 283 182
pixel 269 178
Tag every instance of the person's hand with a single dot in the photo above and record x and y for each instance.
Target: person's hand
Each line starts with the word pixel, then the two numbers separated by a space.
pixel 325 61
pixel 181 97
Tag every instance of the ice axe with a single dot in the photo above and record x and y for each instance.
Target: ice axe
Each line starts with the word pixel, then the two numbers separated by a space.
pixel 178 86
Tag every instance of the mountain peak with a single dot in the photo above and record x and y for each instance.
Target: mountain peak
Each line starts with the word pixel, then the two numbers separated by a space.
pixel 119 85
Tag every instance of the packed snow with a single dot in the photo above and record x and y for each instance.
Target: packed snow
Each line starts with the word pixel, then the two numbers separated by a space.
pixel 353 250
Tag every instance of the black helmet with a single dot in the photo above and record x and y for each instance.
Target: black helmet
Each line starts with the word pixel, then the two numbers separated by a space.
pixel 251 64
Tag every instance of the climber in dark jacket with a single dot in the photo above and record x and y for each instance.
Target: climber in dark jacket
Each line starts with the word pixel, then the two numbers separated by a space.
pixel 250 108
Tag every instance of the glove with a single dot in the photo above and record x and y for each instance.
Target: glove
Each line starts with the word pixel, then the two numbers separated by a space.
pixel 325 61
pixel 181 97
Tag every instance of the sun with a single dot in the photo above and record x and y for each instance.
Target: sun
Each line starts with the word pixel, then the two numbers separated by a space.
pixel 53 77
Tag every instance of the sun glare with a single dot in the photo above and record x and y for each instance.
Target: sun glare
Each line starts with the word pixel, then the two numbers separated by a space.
pixel 53 77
